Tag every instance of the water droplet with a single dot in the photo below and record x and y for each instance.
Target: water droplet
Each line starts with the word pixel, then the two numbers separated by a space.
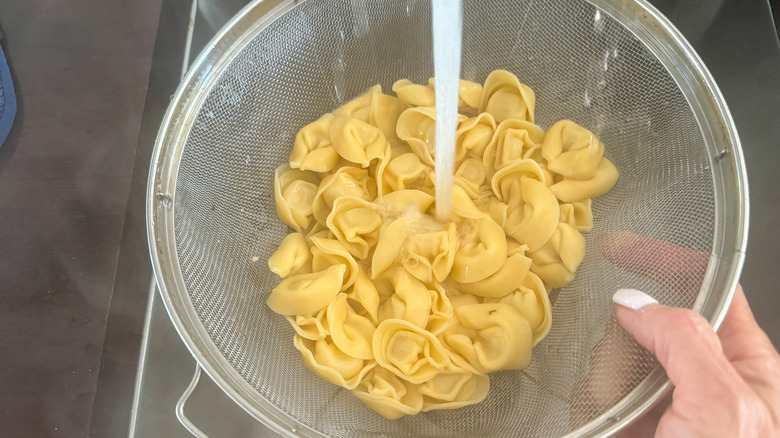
pixel 164 199
pixel 293 430
pixel 56 428
pixel 602 84
pixel 598 21
pixel 210 114
pixel 73 371
pixel 588 100
pixel 246 160
pixel 408 9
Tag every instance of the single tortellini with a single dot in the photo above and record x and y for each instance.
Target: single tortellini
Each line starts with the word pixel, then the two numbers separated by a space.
pixel 473 136
pixel 360 107
pixel 408 351
pixel 347 181
pixel 357 141
pixel 329 252
pixel 532 213
pixel 417 127
pixel 430 255
pixel 512 141
pixel 531 300
pixel 294 193
pixel 350 332
pixel 510 178
pixel 411 300
pixel 355 222
pixel 505 97
pixel 578 214
pixel 573 190
pixel 491 337
pixel 414 94
pixel 482 251
pixel 388 395
pixel 403 172
pixel 454 388
pixel 313 148
pixel 506 280
pixel 292 255
pixel 571 150
pixel 419 244
pixel 307 293
pixel 325 359
pixel 556 262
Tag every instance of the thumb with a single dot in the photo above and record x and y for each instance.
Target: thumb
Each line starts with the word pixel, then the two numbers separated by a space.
pixel 681 339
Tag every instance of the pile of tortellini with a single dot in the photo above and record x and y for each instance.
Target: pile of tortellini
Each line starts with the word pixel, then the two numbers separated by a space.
pixel 409 313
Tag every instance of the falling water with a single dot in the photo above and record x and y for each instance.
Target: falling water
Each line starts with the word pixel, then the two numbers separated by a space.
pixel 447 29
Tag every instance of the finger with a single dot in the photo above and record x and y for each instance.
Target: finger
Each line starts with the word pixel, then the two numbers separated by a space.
pixel 677 268
pixel 682 341
pixel 750 351
pixel 739 333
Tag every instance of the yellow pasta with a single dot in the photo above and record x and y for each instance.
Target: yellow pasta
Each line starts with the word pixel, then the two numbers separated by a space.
pixel 491 337
pixel 291 256
pixel 351 332
pixel 408 351
pixel 409 313
pixel 505 97
pixel 313 149
pixel 294 193
pixel 389 395
pixel 357 141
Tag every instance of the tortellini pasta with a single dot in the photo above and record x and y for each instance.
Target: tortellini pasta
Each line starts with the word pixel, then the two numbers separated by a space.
pixel 409 313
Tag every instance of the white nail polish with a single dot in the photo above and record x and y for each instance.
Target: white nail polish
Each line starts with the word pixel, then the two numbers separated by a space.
pixel 632 298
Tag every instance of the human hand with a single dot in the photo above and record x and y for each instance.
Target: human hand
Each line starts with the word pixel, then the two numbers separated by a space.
pixel 725 384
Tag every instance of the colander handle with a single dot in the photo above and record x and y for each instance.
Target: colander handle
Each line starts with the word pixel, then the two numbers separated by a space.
pixel 183 401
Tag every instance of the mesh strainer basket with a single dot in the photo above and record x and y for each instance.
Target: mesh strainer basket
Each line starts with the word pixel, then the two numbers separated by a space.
pixel 616 67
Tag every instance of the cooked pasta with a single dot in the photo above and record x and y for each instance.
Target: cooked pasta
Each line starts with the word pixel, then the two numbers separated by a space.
pixel 407 312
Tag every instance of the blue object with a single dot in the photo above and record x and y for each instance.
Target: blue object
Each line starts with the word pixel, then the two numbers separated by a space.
pixel 7 99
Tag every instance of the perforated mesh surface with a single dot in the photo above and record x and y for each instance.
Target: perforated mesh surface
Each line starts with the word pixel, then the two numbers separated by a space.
pixel 582 65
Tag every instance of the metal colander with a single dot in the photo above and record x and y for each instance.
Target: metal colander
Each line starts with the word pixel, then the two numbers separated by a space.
pixel 616 67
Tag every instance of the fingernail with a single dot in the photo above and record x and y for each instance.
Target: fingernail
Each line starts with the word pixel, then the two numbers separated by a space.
pixel 632 298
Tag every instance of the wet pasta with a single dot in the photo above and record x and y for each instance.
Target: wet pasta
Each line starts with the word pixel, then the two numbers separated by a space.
pixel 409 313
